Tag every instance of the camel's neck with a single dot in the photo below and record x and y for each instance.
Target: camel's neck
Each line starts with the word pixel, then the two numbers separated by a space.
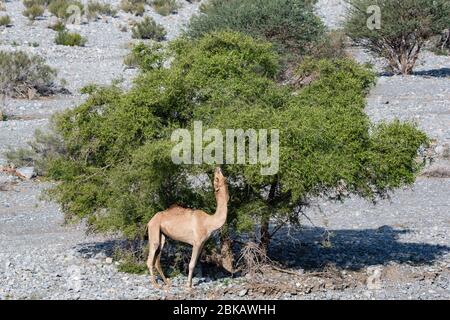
pixel 219 218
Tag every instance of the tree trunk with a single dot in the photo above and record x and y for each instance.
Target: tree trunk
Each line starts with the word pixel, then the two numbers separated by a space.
pixel 265 221
pixel 264 233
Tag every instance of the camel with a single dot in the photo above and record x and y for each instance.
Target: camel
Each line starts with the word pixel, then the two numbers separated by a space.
pixel 190 226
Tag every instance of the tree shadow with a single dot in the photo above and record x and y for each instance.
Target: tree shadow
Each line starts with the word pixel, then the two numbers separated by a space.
pixel 309 248
pixel 105 248
pixel 433 73
pixel 354 250
pixel 175 257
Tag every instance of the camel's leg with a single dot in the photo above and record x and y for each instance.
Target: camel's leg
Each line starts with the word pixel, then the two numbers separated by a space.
pixel 158 259
pixel 153 241
pixel 196 249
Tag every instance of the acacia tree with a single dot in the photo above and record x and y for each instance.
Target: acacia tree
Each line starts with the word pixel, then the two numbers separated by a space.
pixel 404 27
pixel 116 169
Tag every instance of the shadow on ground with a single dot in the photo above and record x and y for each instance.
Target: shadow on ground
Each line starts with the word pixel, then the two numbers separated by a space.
pixel 352 249
pixel 434 73
pixel 310 250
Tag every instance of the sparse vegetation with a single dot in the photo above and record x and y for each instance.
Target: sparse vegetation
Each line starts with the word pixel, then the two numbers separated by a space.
pixel 30 3
pixel 145 56
pixel 67 38
pixel 33 12
pixel 164 7
pixel 148 29
pixel 96 8
pixel 130 261
pixel 63 9
pixel 24 76
pixel 405 28
pixel 136 7
pixel 443 44
pixel 5 20
pixel 58 26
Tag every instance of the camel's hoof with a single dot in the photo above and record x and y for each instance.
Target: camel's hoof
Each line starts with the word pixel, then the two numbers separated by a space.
pixel 168 283
pixel 155 285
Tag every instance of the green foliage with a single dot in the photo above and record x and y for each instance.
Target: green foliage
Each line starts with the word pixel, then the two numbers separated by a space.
pixel 146 56
pixel 45 146
pixel 290 24
pixel 129 262
pixel 96 8
pixel 405 27
pixel 58 26
pixel 136 7
pixel 20 73
pixel 63 9
pixel 148 29
pixel 33 12
pixel 116 169
pixel 5 20
pixel 66 38
pixel 164 7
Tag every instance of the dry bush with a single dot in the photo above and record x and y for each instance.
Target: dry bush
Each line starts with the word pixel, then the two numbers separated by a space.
pixel 253 259
pixel 33 12
pixel 165 7
pixel 25 76
pixel 5 21
pixel 149 29
pixel 437 172
pixel 136 7
pixel 45 146
pixel 96 9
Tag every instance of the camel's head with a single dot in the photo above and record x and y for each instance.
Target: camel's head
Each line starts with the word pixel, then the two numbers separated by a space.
pixel 220 182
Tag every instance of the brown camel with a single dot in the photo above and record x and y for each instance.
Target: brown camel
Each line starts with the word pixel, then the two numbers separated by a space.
pixel 186 225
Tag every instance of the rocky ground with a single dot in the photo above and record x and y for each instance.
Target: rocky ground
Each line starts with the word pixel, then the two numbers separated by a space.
pixel 397 249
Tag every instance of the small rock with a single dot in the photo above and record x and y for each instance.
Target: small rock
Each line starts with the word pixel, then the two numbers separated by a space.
pixel 243 292
pixel 26 172
pixel 374 279
pixel 109 260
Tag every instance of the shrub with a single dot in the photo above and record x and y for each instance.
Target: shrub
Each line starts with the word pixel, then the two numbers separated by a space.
pixel 165 7
pixel 136 7
pixel 44 146
pixel 22 74
pixel 116 169
pixel 405 27
pixel 64 9
pixel 33 12
pixel 290 24
pixel 148 29
pixel 66 38
pixel 443 44
pixel 5 20
pixel 30 3
pixel 146 57
pixel 95 8
pixel 58 26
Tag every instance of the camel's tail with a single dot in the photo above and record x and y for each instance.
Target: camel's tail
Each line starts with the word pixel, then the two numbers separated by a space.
pixel 146 235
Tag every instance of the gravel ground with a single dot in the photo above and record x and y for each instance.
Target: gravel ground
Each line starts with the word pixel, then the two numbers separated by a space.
pixel 397 249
